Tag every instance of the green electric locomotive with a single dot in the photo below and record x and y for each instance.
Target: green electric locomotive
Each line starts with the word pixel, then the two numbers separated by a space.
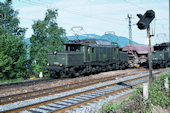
pixel 88 56
pixel 161 55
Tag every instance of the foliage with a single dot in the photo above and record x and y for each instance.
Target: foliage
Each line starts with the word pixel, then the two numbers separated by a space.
pixel 110 106
pixel 9 20
pixel 37 68
pixel 12 57
pixel 157 96
pixel 13 62
pixel 47 37
pixel 12 80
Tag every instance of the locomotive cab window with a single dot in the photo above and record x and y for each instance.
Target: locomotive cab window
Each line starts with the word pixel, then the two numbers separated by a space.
pixel 92 50
pixel 72 48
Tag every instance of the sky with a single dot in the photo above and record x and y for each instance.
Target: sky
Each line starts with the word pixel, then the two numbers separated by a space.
pixel 98 16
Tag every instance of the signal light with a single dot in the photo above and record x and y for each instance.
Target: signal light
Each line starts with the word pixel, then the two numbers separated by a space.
pixel 150 14
pixel 145 19
pixel 141 25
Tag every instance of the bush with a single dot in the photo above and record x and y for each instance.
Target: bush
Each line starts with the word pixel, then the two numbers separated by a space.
pixel 110 106
pixel 157 92
pixel 157 96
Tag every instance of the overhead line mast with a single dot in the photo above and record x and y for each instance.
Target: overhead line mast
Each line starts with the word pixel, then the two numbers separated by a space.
pixel 130 28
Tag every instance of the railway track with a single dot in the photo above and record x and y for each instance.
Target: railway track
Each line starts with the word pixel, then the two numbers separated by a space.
pixel 78 97
pixel 53 90
pixel 25 83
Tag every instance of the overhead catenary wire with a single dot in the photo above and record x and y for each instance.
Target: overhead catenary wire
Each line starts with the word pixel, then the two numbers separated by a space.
pixel 135 5
pixel 102 18
pixel 94 17
pixel 99 17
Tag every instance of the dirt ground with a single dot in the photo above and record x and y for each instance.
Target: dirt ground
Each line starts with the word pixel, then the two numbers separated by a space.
pixel 117 73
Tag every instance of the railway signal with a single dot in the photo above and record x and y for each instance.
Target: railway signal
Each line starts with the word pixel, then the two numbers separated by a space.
pixel 142 24
pixel 145 19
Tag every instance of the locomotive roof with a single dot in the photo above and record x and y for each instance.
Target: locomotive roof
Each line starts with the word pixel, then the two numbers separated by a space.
pixel 166 44
pixel 91 42
pixel 161 46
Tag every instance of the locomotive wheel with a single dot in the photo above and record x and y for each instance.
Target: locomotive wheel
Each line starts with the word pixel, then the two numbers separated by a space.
pixel 109 67
pixel 93 70
pixel 123 66
pixel 77 74
pixel 104 68
pixel 53 75
pixel 100 69
pixel 120 67
pixel 157 66
pixel 113 67
pixel 72 73
pixel 117 66
pixel 166 64
pixel 63 74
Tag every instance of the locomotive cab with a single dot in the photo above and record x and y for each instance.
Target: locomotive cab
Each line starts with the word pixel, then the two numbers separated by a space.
pixel 161 55
pixel 59 61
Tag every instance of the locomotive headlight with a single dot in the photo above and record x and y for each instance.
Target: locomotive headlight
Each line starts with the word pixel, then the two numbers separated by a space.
pixel 48 64
pixel 56 63
pixel 61 64
pixel 55 53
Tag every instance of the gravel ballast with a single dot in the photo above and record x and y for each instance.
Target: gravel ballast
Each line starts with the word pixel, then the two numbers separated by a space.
pixel 42 99
pixel 58 82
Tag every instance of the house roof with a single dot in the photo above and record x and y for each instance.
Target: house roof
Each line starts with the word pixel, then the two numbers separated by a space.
pixel 140 49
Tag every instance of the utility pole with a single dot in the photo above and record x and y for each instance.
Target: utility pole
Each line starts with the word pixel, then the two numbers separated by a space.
pixel 144 23
pixel 169 20
pixel 150 56
pixel 130 28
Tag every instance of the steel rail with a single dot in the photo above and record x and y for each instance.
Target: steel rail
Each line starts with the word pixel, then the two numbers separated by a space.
pixel 76 94
pixel 53 90
pixel 25 83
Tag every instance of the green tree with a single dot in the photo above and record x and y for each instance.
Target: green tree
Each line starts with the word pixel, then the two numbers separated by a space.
pixel 47 37
pixel 13 58
pixel 9 21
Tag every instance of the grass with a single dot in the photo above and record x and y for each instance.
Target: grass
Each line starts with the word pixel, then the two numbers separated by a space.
pixel 157 92
pixel 158 96
pixel 22 79
pixel 12 80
